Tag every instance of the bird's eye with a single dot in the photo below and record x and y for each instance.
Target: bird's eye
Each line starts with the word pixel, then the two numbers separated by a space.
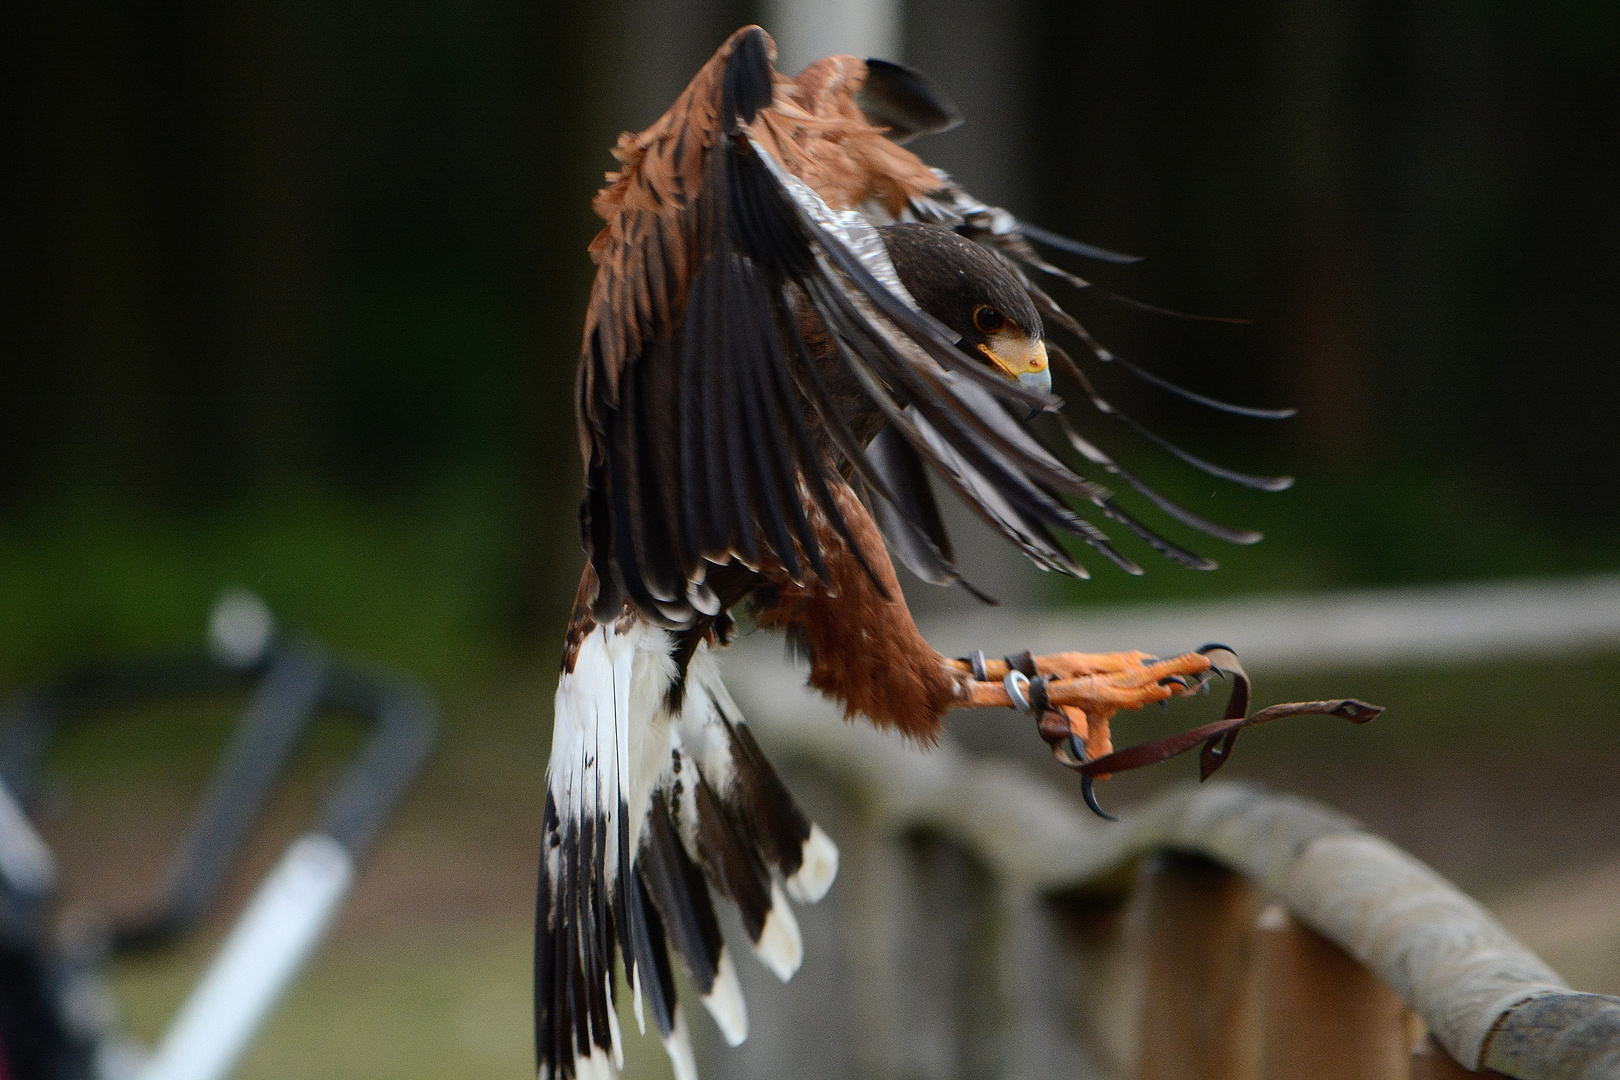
pixel 987 319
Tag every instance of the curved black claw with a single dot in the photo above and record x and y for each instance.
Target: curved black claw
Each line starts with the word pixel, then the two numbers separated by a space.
pixel 1223 659
pixel 1223 662
pixel 1088 785
pixel 1088 792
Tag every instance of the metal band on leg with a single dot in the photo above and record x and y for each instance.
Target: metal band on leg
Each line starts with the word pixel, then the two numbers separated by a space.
pixel 1016 684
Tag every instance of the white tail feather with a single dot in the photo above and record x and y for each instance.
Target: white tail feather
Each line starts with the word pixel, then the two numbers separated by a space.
pixel 725 1002
pixel 635 998
pixel 816 873
pixel 614 1035
pixel 595 1066
pixel 780 948
pixel 679 1048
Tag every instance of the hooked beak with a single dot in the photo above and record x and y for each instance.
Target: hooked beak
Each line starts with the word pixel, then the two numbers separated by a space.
pixel 1023 360
pixel 1038 381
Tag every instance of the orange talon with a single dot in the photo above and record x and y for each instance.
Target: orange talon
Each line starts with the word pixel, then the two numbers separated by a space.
pixel 1074 695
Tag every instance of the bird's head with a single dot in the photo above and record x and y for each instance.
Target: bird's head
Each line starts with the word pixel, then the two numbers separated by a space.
pixel 972 292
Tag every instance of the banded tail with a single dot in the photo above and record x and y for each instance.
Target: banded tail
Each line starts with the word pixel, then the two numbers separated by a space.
pixel 657 792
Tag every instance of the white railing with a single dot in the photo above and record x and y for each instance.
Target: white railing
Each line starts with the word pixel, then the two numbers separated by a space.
pixel 1364 628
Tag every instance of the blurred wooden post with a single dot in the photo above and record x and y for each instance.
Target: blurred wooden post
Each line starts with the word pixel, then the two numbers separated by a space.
pixel 1196 927
pixel 1322 1015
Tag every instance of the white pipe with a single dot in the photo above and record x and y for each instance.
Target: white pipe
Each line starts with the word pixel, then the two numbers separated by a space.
pixel 25 862
pixel 807 30
pixel 262 954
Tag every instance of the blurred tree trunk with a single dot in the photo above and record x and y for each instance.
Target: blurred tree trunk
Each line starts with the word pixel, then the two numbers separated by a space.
pixel 1316 53
pixel 282 156
pixel 178 252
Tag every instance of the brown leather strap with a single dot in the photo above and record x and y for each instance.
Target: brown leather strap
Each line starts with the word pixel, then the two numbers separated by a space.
pixel 1219 737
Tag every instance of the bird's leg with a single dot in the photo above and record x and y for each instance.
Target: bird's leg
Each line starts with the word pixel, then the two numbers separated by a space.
pixel 1074 695
pixel 1072 710
pixel 1097 685
pixel 1063 665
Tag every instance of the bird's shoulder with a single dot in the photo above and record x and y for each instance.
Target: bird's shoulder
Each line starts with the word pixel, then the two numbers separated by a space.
pixel 815 127
pixel 651 245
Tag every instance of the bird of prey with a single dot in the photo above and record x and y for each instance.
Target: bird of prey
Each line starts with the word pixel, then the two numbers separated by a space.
pixel 794 322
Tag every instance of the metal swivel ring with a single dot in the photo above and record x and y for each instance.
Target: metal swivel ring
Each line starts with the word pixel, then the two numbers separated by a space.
pixel 1016 684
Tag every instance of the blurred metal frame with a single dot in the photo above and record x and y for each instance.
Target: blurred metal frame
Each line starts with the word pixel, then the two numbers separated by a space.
pixel 293 682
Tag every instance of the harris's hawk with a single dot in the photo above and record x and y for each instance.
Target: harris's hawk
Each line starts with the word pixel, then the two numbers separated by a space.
pixel 794 321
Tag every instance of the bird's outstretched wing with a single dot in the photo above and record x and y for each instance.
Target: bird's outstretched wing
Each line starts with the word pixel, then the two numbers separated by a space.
pixel 706 427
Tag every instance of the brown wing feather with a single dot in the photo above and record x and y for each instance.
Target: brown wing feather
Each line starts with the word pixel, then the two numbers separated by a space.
pixel 816 129
pixel 648 248
pixel 704 425
pixel 648 242
pixel 660 233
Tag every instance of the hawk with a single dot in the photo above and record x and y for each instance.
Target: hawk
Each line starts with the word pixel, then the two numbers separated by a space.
pixel 794 322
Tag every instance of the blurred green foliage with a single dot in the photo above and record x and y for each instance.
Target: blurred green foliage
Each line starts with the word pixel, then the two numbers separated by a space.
pixel 408 586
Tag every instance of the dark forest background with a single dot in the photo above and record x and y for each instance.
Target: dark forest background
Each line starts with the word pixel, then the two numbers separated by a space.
pixel 297 288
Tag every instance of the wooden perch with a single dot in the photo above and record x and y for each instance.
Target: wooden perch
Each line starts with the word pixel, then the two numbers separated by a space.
pixel 1489 1001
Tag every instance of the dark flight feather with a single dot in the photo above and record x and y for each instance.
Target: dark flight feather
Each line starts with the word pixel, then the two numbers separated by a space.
pixel 905 101
pixel 1260 483
pixel 732 867
pixel 908 515
pixel 1072 325
pixel 677 891
pixel 1074 247
pixel 770 819
pixel 651 956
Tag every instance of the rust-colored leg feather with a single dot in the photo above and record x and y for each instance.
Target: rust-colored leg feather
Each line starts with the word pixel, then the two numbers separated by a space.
pixel 865 649
pixel 867 652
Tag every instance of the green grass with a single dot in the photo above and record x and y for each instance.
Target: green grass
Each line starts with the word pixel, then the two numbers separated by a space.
pixel 444 1006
